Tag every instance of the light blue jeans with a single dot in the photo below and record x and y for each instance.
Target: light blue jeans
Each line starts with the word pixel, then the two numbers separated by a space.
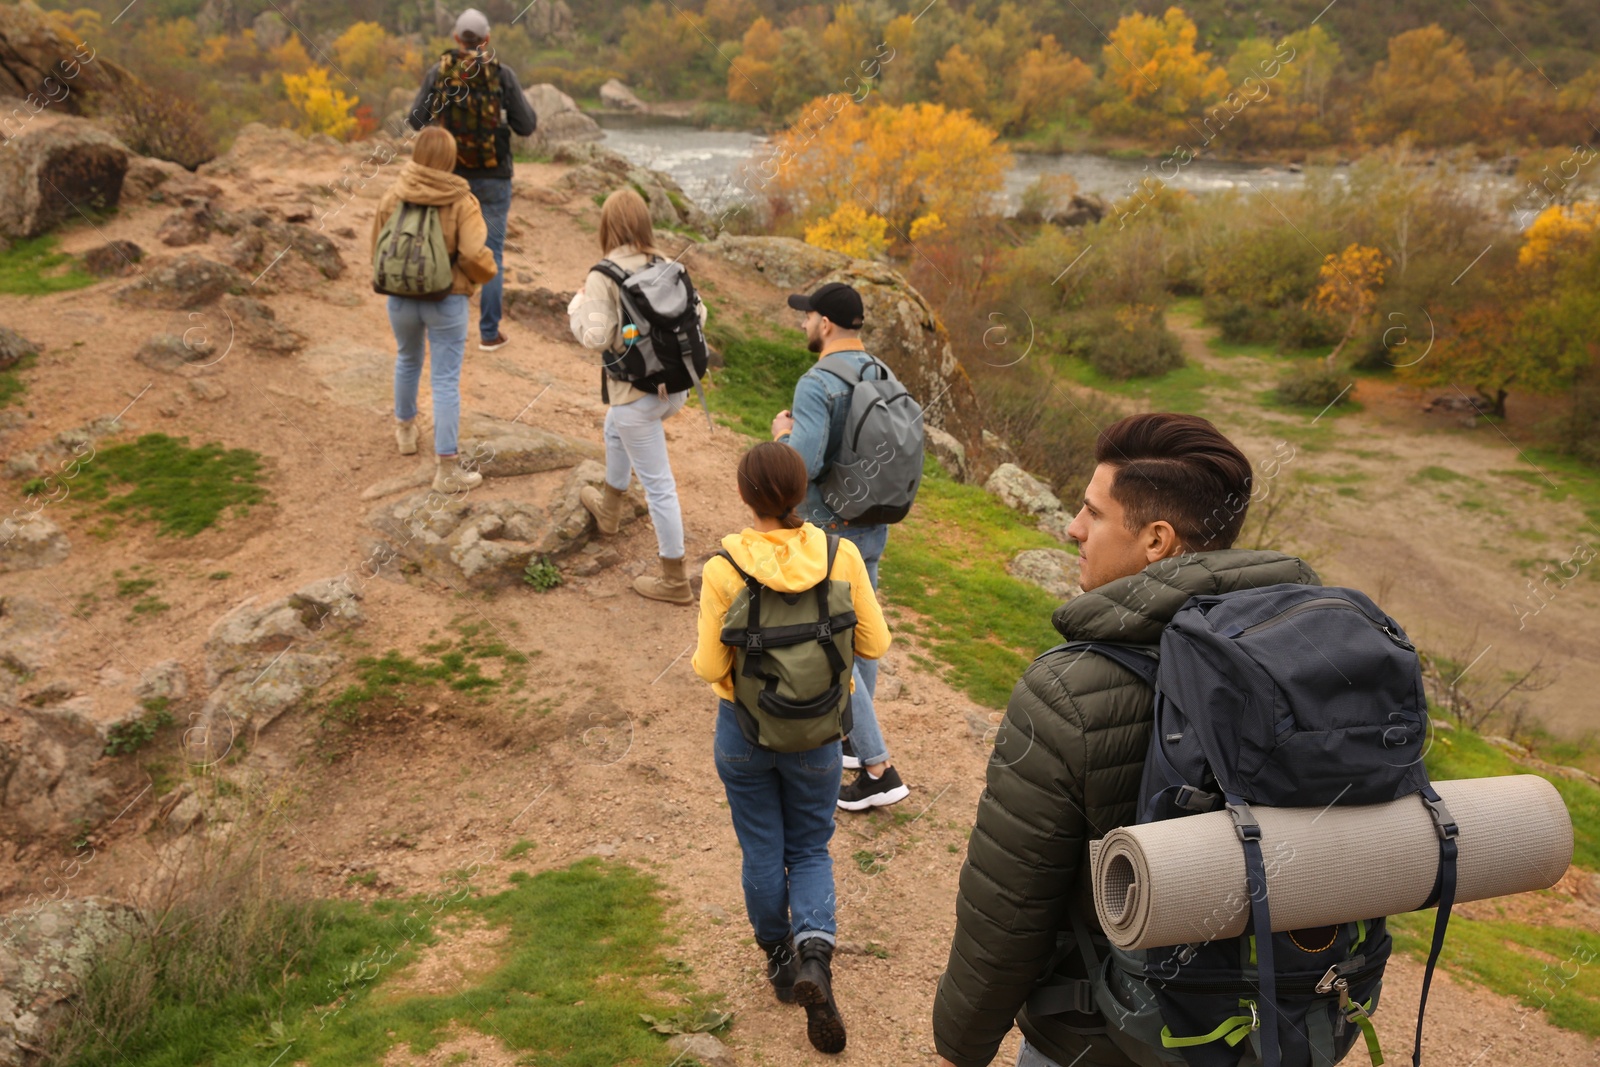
pixel 782 805
pixel 866 740
pixel 443 325
pixel 637 442
pixel 494 197
pixel 1028 1056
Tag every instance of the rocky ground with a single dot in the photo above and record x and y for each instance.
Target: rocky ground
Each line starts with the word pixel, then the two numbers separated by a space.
pixel 248 321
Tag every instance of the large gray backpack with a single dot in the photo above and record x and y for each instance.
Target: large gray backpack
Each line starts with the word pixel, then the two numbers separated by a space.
pixel 874 478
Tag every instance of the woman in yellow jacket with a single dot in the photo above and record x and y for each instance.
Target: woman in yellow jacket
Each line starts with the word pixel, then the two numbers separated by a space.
pixel 783 803
pixel 427 179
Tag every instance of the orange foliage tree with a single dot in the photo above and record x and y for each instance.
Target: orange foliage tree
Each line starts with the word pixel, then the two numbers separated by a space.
pixel 1347 288
pixel 1426 88
pixel 1154 76
pixel 903 162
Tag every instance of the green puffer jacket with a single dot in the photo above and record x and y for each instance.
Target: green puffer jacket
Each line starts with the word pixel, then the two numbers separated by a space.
pixel 1065 771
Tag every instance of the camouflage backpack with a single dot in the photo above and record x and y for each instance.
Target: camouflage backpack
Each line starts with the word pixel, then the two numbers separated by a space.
pixel 469 83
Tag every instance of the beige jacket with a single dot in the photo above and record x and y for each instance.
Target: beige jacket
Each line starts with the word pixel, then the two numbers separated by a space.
pixel 462 220
pixel 595 315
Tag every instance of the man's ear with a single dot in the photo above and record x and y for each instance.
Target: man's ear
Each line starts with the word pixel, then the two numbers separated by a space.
pixel 1160 541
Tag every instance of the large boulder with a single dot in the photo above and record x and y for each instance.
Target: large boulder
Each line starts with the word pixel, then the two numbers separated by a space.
pixel 1055 570
pixel 49 781
pixel 31 541
pixel 260 244
pixel 504 448
pixel 186 226
pixel 186 281
pixel 47 949
pixel 599 171
pixel 54 168
pixel 14 348
pixel 37 59
pixel 550 21
pixel 161 181
pixel 256 328
pixel 29 630
pixel 614 94
pixel 113 259
pixel 900 329
pixel 1018 489
pixel 559 120
pixel 487 544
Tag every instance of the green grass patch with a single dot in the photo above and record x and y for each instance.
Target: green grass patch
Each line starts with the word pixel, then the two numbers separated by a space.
pixel 581 960
pixel 1441 474
pixel 1573 480
pixel 1543 967
pixel 522 847
pixel 12 387
pixel 1177 390
pixel 759 373
pixel 162 479
pixel 34 268
pixel 947 562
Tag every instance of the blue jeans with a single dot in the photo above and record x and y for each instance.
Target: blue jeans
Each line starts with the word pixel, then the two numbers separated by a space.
pixel 443 324
pixel 494 197
pixel 636 440
pixel 1028 1056
pixel 782 806
pixel 866 740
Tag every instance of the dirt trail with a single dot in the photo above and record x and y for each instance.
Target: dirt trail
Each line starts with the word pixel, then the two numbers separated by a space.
pixel 623 767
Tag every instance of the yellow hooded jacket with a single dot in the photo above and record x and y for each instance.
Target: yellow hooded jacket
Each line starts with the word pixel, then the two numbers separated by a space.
pixel 787 561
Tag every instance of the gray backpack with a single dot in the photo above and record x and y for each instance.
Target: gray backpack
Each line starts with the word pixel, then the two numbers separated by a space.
pixel 411 259
pixel 875 477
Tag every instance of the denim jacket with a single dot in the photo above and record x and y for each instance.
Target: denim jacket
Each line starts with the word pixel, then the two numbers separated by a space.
pixel 821 402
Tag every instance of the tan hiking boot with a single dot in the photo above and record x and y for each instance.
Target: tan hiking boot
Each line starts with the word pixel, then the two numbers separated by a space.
pixel 606 507
pixel 405 435
pixel 672 586
pixel 449 476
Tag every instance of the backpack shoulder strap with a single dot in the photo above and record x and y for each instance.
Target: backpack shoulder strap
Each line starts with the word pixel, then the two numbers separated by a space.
pixel 618 275
pixel 839 368
pixel 823 589
pixel 1142 660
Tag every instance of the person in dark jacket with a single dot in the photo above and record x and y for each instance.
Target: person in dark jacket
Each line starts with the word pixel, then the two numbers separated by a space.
pixel 480 102
pixel 1159 518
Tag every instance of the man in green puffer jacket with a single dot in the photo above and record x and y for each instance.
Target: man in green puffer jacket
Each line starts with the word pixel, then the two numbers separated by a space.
pixel 1159 518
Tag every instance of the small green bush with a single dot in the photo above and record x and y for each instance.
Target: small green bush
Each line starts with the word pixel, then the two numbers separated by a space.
pixel 1131 342
pixel 131 736
pixel 1314 386
pixel 542 574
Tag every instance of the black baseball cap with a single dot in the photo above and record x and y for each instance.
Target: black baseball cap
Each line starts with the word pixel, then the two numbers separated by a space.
pixel 836 302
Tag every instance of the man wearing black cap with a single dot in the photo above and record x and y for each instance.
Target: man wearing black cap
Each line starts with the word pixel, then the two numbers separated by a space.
pixel 832 321
pixel 480 102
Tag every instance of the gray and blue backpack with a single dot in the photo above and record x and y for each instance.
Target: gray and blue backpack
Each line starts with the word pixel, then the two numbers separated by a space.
pixel 1282 696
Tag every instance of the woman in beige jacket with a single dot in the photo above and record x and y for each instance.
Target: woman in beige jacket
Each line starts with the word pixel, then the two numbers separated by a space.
pixel 427 179
pixel 636 442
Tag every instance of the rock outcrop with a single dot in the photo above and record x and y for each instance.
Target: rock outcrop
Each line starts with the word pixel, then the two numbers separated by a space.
pixel 1018 489
pixel 599 171
pixel 46 950
pixel 50 784
pixel 505 448
pixel 263 658
pixel 54 168
pixel 900 329
pixel 186 281
pixel 113 259
pixel 1055 570
pixel 560 120
pixel 38 61
pixel 28 542
pixel 14 348
pixel 614 94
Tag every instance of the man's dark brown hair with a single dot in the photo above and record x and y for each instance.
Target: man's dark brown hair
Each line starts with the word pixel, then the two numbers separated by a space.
pixel 1181 469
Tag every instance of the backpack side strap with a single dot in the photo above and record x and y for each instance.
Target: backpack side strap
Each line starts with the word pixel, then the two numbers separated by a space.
pixel 1444 892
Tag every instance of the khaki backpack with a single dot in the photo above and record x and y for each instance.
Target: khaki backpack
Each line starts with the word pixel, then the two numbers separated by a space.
pixel 793 654
pixel 410 259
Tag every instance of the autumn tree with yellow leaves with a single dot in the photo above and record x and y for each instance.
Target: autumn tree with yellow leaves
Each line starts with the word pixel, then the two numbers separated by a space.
pixel 321 107
pixel 903 164
pixel 1347 289
pixel 1155 77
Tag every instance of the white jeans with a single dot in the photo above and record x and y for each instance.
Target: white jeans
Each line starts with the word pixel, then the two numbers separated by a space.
pixel 636 441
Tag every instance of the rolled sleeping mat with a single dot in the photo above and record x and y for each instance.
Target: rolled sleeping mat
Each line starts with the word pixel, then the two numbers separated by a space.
pixel 1182 881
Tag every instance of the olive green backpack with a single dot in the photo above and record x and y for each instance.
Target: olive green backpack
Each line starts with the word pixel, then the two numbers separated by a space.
pixel 411 259
pixel 793 654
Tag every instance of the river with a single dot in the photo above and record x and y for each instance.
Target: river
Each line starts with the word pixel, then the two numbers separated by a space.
pixel 707 164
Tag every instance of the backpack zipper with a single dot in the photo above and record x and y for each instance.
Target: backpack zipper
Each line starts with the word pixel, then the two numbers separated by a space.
pixel 1321 602
pixel 1305 986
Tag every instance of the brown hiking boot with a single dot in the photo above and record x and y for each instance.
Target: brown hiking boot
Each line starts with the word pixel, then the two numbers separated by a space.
pixel 450 476
pixel 672 586
pixel 606 507
pixel 405 435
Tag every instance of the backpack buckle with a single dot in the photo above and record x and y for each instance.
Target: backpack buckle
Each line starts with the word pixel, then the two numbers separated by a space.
pixel 1444 824
pixel 825 631
pixel 752 641
pixel 1244 823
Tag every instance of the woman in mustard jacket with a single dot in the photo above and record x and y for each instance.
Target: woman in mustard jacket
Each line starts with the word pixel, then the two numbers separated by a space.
pixel 783 803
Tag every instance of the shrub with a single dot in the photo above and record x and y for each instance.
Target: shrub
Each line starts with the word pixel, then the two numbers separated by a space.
pixel 154 122
pixel 1314 386
pixel 1131 342
pixel 542 574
